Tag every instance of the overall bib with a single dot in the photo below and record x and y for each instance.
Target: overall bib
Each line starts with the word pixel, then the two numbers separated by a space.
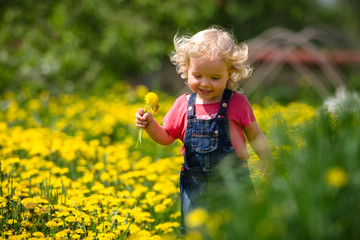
pixel 207 143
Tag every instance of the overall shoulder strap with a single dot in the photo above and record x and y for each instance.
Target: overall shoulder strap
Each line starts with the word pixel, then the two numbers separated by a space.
pixel 225 102
pixel 191 106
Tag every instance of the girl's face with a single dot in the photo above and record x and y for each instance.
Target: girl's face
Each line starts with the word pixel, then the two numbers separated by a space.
pixel 208 79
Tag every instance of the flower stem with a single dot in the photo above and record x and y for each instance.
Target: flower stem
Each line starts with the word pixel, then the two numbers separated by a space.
pixel 139 138
pixel 140 131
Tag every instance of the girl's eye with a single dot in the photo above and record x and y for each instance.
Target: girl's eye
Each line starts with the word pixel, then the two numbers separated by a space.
pixel 215 78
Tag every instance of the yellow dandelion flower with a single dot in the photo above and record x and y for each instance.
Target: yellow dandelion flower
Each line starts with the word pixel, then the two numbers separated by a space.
pixel 3 202
pixel 141 234
pixel 61 235
pixel 151 99
pixel 26 224
pixel 75 236
pixel 61 214
pixel 167 201
pixel 197 218
pixel 70 219
pixel 51 224
pixel 44 210
pixel 152 106
pixel 8 232
pixel 160 208
pixel 167 227
pixel 154 109
pixel 336 177
pixel 193 235
pixel 38 235
pixel 110 235
pixel 175 215
pixel 12 221
pixel 79 231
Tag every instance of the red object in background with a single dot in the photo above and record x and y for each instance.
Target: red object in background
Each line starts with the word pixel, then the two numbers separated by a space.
pixel 339 57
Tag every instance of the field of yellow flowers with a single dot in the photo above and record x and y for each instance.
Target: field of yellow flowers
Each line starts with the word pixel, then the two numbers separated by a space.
pixel 70 169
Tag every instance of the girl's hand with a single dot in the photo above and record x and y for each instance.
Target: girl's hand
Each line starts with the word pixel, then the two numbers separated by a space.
pixel 143 119
pixel 264 168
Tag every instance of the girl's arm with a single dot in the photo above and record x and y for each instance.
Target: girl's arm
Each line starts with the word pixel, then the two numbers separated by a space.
pixel 260 146
pixel 157 132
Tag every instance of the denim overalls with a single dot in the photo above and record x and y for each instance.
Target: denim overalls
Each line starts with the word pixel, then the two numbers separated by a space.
pixel 206 144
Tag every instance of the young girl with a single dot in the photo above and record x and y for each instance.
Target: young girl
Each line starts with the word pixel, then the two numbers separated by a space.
pixel 212 121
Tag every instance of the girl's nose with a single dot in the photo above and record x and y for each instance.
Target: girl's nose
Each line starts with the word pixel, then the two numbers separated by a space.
pixel 204 82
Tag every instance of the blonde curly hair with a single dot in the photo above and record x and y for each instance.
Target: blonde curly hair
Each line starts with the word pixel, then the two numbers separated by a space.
pixel 212 43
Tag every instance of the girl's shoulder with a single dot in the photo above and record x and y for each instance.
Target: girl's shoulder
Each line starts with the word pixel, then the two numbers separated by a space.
pixel 182 100
pixel 241 109
pixel 239 98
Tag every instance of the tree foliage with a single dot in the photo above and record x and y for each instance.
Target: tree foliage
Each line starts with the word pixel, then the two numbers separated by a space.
pixel 69 45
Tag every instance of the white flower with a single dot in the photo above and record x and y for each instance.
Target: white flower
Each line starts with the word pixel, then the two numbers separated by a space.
pixel 343 101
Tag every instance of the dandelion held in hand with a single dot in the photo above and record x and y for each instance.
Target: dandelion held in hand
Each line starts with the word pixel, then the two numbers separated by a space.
pixel 152 106
pixel 151 100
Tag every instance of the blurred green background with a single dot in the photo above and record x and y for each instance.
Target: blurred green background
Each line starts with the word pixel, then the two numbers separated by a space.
pixel 86 45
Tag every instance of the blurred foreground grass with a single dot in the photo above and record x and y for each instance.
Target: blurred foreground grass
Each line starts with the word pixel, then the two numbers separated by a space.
pixel 70 170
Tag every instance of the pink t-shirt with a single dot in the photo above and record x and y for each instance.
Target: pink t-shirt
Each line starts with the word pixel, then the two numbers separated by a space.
pixel 240 115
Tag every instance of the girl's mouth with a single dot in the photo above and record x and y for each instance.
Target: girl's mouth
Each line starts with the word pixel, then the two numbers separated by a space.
pixel 206 92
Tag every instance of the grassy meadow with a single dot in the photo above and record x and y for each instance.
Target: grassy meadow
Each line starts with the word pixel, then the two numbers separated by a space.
pixel 70 170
